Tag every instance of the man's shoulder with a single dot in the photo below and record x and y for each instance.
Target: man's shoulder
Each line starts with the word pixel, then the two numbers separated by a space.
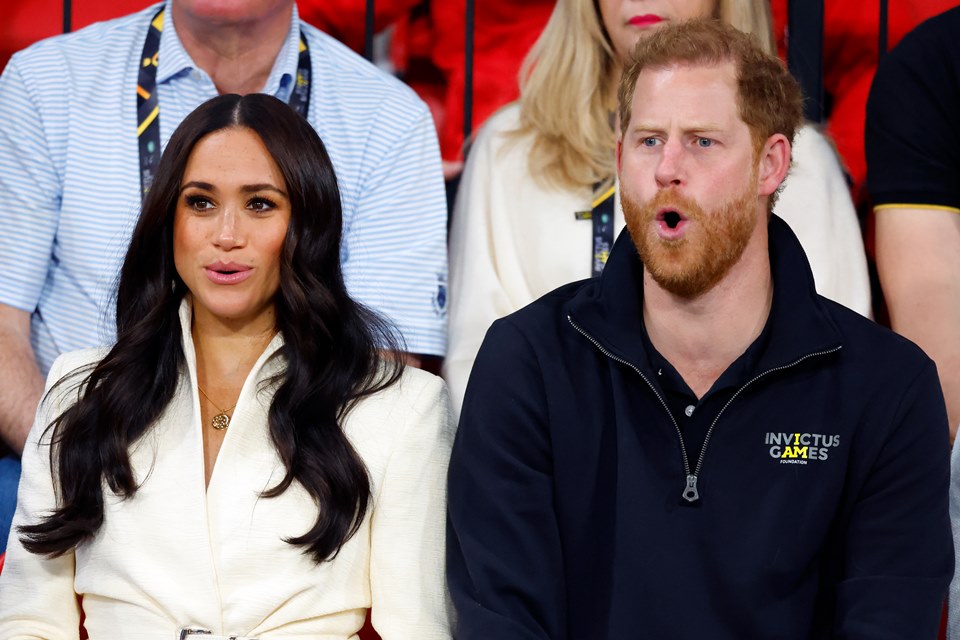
pixel 927 51
pixel 937 32
pixel 95 44
pixel 874 347
pixel 544 320
pixel 911 118
pixel 346 76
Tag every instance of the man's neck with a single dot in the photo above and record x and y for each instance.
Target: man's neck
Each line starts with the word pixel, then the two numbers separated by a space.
pixel 237 53
pixel 702 337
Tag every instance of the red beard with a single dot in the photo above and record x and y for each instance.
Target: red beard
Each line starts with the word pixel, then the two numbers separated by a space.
pixel 693 264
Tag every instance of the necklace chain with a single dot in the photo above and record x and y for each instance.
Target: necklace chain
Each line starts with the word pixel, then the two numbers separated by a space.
pixel 222 420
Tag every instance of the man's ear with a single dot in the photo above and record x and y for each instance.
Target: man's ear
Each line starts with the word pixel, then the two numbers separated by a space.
pixel 774 164
pixel 619 151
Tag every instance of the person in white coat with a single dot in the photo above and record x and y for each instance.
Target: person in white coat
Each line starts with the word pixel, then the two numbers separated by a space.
pixel 246 461
pixel 540 178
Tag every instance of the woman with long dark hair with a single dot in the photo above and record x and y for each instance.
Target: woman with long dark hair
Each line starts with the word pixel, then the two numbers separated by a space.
pixel 245 461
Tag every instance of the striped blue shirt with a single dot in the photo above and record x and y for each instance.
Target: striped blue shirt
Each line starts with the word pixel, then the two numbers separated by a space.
pixel 70 186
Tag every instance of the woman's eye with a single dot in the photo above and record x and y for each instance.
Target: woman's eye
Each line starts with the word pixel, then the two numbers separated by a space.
pixel 261 204
pixel 199 203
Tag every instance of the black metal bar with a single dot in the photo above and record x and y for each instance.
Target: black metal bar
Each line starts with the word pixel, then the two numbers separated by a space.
pixel 368 32
pixel 805 53
pixel 883 44
pixel 468 74
pixel 67 15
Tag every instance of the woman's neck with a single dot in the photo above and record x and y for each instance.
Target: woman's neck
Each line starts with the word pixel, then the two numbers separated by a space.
pixel 225 354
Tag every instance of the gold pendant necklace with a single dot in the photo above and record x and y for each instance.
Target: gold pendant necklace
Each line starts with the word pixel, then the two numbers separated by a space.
pixel 222 420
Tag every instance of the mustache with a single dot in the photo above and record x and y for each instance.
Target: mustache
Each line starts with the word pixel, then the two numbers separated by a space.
pixel 667 200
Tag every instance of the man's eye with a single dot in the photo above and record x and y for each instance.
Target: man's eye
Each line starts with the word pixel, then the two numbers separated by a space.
pixel 703 143
pixel 649 142
pixel 261 204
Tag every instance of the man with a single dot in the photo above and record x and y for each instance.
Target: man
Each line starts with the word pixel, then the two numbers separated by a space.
pixel 696 444
pixel 913 174
pixel 82 120
pixel 912 137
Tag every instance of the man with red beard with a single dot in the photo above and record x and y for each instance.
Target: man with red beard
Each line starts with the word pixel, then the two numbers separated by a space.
pixel 696 444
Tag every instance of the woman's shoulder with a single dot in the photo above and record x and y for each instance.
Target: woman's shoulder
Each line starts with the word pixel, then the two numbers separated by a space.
pixel 70 363
pixel 501 127
pixel 68 372
pixel 79 358
pixel 414 391
pixel 416 406
pixel 812 145
pixel 506 118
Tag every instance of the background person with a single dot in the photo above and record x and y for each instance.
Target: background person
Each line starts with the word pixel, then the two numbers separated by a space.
pixel 913 174
pixel 914 182
pixel 540 169
pixel 243 460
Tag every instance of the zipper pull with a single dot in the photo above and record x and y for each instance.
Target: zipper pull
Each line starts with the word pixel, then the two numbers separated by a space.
pixel 690 493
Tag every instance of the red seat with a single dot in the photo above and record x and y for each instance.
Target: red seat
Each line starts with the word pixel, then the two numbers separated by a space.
pixel 367 633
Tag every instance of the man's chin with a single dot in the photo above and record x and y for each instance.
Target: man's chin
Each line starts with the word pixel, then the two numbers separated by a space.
pixel 686 286
pixel 681 267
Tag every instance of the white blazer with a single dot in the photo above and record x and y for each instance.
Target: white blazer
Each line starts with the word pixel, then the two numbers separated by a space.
pixel 177 554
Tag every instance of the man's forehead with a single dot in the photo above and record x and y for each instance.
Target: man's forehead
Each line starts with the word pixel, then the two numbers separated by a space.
pixel 725 66
pixel 680 73
pixel 704 94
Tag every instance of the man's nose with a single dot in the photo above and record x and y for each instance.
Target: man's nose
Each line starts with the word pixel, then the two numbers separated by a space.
pixel 670 168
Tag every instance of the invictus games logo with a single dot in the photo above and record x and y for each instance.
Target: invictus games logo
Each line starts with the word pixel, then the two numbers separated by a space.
pixel 798 448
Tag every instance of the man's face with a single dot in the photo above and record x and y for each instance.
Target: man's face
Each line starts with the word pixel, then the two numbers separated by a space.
pixel 689 177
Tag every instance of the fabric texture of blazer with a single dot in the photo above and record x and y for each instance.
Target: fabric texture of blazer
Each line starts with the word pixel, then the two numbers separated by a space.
pixel 178 554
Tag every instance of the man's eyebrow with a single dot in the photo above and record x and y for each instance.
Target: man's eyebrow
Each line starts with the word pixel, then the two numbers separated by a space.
pixel 697 127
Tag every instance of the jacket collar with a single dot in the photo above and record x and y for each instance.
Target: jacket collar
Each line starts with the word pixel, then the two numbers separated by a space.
pixel 609 308
pixel 265 367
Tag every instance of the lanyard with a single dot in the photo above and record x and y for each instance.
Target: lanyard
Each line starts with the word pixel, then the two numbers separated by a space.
pixel 601 215
pixel 148 109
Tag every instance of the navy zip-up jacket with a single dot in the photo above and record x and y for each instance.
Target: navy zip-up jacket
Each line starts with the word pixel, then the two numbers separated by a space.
pixel 821 505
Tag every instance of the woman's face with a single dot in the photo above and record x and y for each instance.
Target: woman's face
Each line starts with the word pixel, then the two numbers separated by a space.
pixel 627 21
pixel 231 218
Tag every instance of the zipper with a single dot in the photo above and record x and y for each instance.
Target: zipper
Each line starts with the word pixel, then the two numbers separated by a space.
pixel 690 492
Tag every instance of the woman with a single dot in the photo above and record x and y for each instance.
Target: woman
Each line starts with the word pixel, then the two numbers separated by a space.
pixel 523 223
pixel 242 462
